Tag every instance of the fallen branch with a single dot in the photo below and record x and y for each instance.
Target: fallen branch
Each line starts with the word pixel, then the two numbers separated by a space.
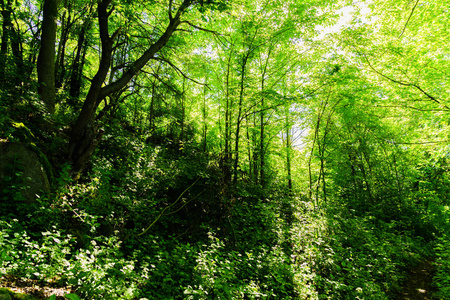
pixel 170 206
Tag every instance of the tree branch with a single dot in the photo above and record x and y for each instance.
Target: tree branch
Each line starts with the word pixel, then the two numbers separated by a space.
pixel 180 72
pixel 200 28
pixel 155 75
pixel 170 10
pixel 407 21
pixel 168 207
pixel 404 83
pixel 149 54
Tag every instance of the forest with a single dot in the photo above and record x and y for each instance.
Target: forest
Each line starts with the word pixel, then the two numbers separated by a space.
pixel 224 149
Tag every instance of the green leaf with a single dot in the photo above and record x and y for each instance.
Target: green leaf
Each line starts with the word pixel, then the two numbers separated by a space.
pixel 72 297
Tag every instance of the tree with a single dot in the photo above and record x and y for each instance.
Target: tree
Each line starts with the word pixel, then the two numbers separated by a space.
pixel 46 59
pixel 86 134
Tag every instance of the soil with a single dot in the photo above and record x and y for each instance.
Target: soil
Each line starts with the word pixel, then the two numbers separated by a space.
pixel 418 282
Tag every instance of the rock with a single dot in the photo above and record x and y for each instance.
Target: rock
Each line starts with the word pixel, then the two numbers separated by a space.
pixel 4 294
pixel 5 297
pixel 22 173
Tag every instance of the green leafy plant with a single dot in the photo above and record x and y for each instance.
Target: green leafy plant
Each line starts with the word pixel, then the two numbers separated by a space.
pixel 442 277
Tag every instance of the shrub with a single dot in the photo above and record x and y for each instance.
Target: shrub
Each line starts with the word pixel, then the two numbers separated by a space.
pixel 442 277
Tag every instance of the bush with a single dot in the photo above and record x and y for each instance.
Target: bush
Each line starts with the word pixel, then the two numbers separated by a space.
pixel 442 277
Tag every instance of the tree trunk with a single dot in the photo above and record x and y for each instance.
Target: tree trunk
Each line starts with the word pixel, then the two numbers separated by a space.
pixel 6 29
pixel 228 107
pixel 288 150
pixel 46 58
pixel 151 114
pixel 78 62
pixel 85 133
pixel 239 119
pixel 320 113
pixel 183 118
pixel 205 125
pixel 60 69
pixel 262 121
pixel 10 37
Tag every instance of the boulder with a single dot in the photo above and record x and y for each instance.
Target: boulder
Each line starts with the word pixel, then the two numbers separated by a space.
pixel 22 172
pixel 4 294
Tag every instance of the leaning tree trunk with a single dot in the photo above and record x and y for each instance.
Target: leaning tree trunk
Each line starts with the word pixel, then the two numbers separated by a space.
pixel 86 135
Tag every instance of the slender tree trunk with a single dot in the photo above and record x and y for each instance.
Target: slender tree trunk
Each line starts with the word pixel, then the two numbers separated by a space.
pixel 250 143
pixel 17 50
pixel 205 124
pixel 75 81
pixel 10 37
pixel 367 184
pixel 46 58
pixel 315 139
pixel 322 147
pixel 151 114
pixel 183 116
pixel 288 150
pixel 262 154
pixel 262 160
pixel 321 150
pixel 6 31
pixel 239 119
pixel 154 97
pixel 256 150
pixel 227 138
pixel 60 69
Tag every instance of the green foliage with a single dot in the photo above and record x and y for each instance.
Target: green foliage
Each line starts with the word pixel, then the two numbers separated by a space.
pixel 11 184
pixel 196 150
pixel 362 258
pixel 52 258
pixel 222 274
pixel 72 297
pixel 15 296
pixel 442 277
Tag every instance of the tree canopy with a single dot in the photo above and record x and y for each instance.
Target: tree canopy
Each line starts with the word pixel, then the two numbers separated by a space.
pixel 225 149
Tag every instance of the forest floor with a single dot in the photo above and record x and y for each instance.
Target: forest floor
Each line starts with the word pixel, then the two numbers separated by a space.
pixel 418 282
pixel 31 288
pixel 418 285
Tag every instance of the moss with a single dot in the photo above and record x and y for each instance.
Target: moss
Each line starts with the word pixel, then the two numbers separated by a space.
pixel 16 296
pixel 24 135
pixel 44 161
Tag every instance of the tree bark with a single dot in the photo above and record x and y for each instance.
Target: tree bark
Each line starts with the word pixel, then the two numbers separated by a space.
pixel 228 109
pixel 205 124
pixel 60 70
pixel 239 118
pixel 78 62
pixel 85 133
pixel 262 122
pixel 46 58
pixel 6 28
pixel 288 150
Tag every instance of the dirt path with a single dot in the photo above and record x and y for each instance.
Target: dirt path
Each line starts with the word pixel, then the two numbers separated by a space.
pixel 418 282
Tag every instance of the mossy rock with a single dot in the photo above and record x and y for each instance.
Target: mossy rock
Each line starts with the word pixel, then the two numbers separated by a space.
pixel 24 135
pixel 6 294
pixel 23 176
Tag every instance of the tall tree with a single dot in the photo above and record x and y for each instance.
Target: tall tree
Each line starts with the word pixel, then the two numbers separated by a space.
pixel 46 58
pixel 85 133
